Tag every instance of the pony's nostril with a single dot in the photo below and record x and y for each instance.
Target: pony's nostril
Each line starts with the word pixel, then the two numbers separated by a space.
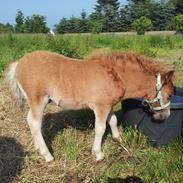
pixel 164 116
pixel 160 116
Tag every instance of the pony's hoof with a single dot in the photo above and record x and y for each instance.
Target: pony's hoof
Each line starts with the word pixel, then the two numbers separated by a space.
pixel 49 158
pixel 99 156
pixel 117 139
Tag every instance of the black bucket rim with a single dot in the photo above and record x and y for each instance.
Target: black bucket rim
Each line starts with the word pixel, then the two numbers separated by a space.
pixel 173 105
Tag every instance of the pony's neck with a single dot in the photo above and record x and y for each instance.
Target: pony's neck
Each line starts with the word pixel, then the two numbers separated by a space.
pixel 144 86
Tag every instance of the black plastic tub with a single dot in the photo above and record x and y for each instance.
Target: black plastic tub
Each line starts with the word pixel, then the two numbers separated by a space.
pixel 158 132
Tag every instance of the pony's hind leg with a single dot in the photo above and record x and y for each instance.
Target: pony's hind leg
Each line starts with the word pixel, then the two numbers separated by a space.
pixel 113 124
pixel 34 119
pixel 101 114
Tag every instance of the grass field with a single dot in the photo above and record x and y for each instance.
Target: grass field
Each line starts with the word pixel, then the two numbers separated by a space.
pixel 70 134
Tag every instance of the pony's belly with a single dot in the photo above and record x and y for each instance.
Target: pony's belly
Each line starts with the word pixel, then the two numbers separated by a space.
pixel 72 104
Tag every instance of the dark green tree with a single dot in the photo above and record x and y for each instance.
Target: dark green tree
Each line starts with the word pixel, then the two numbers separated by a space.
pixel 95 24
pixel 101 5
pixel 140 9
pixel 9 27
pixel 84 22
pixel 108 16
pixel 6 28
pixel 35 24
pixel 74 25
pixel 19 19
pixel 107 12
pixel 134 10
pixel 178 6
pixel 125 19
pixel 138 1
pixel 162 14
pixel 62 26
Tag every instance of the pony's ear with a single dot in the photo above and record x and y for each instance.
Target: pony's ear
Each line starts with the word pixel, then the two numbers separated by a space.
pixel 169 76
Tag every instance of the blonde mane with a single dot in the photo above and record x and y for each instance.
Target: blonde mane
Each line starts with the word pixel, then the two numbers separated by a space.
pixel 147 64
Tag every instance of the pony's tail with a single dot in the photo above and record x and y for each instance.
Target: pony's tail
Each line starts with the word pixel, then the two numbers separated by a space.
pixel 14 86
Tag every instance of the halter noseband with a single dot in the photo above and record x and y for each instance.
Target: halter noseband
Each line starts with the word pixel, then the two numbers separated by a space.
pixel 158 97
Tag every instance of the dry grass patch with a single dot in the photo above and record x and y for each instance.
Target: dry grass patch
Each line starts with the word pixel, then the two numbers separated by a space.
pixel 69 135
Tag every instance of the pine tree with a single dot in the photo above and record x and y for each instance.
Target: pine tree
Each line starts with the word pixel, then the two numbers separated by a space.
pixel 138 1
pixel 6 28
pixel 100 6
pixel 125 19
pixel 162 14
pixel 74 25
pixel 19 19
pixel 35 24
pixel 62 26
pixel 84 22
pixel 107 11
pixel 178 6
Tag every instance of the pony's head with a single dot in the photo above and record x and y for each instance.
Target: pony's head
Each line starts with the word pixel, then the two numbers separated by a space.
pixel 159 102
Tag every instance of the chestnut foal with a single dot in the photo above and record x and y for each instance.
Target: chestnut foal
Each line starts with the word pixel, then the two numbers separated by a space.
pixel 97 82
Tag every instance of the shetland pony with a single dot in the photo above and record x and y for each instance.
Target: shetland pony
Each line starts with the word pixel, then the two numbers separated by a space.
pixel 97 82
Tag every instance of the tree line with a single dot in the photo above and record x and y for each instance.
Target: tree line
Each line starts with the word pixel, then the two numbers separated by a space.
pixel 109 16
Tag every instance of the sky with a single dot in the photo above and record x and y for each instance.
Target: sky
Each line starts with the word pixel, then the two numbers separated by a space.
pixel 53 10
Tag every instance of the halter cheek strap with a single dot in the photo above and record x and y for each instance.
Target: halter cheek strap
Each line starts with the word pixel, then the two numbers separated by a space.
pixel 158 97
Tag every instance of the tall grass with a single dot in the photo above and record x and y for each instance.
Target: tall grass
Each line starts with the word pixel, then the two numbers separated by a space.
pixel 12 47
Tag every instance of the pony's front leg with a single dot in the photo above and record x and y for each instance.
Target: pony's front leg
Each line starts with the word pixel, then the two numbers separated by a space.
pixel 113 124
pixel 101 114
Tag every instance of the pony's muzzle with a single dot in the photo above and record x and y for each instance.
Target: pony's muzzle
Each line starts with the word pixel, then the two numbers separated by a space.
pixel 161 115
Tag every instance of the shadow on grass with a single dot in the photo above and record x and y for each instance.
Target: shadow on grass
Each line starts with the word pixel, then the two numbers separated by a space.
pixel 53 123
pixel 11 159
pixel 129 179
pixel 82 120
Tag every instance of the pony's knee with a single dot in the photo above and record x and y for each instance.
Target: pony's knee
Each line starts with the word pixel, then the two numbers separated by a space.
pixel 113 121
pixel 114 129
pixel 100 128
